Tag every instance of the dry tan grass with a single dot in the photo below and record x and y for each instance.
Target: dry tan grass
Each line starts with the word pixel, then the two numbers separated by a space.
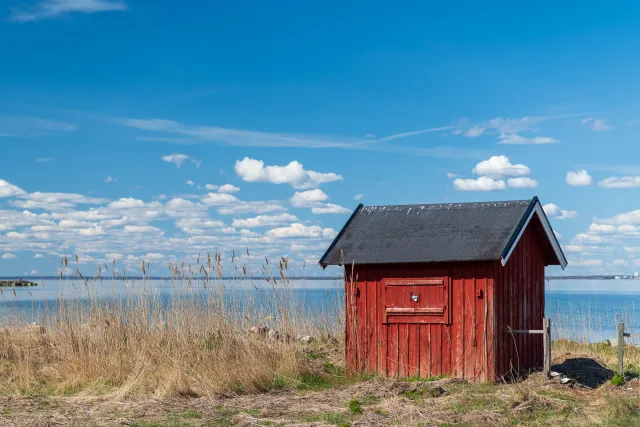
pixel 134 343
pixel 126 357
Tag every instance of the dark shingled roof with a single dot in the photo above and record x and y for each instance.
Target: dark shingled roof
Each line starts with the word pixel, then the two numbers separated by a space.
pixel 430 233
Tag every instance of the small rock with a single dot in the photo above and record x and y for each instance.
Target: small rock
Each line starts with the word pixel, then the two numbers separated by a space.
pixel 259 330
pixel 273 335
pixel 564 380
pixel 307 339
pixel 555 374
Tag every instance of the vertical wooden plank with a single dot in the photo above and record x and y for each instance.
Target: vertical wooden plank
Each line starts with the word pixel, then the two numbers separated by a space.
pixel 403 351
pixel 490 322
pixel 530 296
pixel 457 327
pixel 362 320
pixel 524 298
pixel 523 304
pixel 469 322
pixel 480 332
pixel 425 351
pixel 382 328
pixel 512 311
pixel 500 325
pixel 541 295
pixel 445 335
pixel 372 311
pixel 497 335
pixel 414 349
pixel 392 350
pixel 436 348
pixel 446 340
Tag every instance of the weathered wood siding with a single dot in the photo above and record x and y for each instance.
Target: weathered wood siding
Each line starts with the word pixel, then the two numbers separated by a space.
pixel 486 298
pixel 462 347
pixel 520 305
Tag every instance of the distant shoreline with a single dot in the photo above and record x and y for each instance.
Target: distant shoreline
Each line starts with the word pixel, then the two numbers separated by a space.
pixel 338 278
pixel 607 277
pixel 278 278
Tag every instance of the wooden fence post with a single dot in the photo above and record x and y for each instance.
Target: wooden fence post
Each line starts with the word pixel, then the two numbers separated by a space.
pixel 621 348
pixel 546 343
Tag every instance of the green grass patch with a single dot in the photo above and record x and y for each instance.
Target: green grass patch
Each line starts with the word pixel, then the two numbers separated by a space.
pixel 355 407
pixel 311 381
pixel 417 378
pixel 188 414
pixel 314 355
pixel 334 418
pixel 623 411
pixel 332 369
pixel 369 400
pixel 617 380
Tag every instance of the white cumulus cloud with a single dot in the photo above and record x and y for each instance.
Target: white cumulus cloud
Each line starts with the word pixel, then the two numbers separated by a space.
pixel 482 183
pixel 498 167
pixel 219 199
pixel 620 182
pixel 307 198
pixel 553 211
pixel 228 188
pixel 8 256
pixel 301 230
pixel 522 182
pixel 580 178
pixel 329 208
pixel 294 174
pixel 178 159
pixel 9 190
pixel 264 221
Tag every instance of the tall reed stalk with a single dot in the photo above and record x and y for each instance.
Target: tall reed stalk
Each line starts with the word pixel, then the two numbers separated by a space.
pixel 188 335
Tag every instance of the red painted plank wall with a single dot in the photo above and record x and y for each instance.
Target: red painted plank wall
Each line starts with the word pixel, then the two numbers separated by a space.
pixel 486 298
pixel 520 305
pixel 465 347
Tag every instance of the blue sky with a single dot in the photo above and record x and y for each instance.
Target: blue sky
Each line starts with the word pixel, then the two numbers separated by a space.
pixel 146 130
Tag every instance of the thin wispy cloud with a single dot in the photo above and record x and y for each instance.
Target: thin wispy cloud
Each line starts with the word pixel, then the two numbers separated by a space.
pixel 509 130
pixel 516 139
pixel 54 8
pixel 26 127
pixel 414 133
pixel 174 132
pixel 595 124
pixel 178 159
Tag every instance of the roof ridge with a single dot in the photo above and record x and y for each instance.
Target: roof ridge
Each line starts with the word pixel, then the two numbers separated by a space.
pixel 499 203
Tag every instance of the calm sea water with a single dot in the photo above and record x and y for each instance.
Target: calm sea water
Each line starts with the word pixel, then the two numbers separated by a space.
pixel 579 309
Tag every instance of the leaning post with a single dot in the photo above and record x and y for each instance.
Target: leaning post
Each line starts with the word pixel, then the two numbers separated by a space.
pixel 620 348
pixel 546 343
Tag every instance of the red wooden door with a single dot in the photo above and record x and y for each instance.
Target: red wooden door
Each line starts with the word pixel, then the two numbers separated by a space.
pixel 426 300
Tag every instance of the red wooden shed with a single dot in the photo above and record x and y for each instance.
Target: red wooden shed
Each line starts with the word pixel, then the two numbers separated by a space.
pixel 432 289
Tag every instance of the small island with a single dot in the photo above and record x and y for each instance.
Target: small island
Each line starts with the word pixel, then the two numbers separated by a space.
pixel 17 283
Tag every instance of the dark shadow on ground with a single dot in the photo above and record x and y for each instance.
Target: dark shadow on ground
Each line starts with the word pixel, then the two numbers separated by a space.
pixel 584 371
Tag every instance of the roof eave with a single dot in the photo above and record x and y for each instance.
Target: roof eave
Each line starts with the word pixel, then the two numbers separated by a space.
pixel 344 227
pixel 534 208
